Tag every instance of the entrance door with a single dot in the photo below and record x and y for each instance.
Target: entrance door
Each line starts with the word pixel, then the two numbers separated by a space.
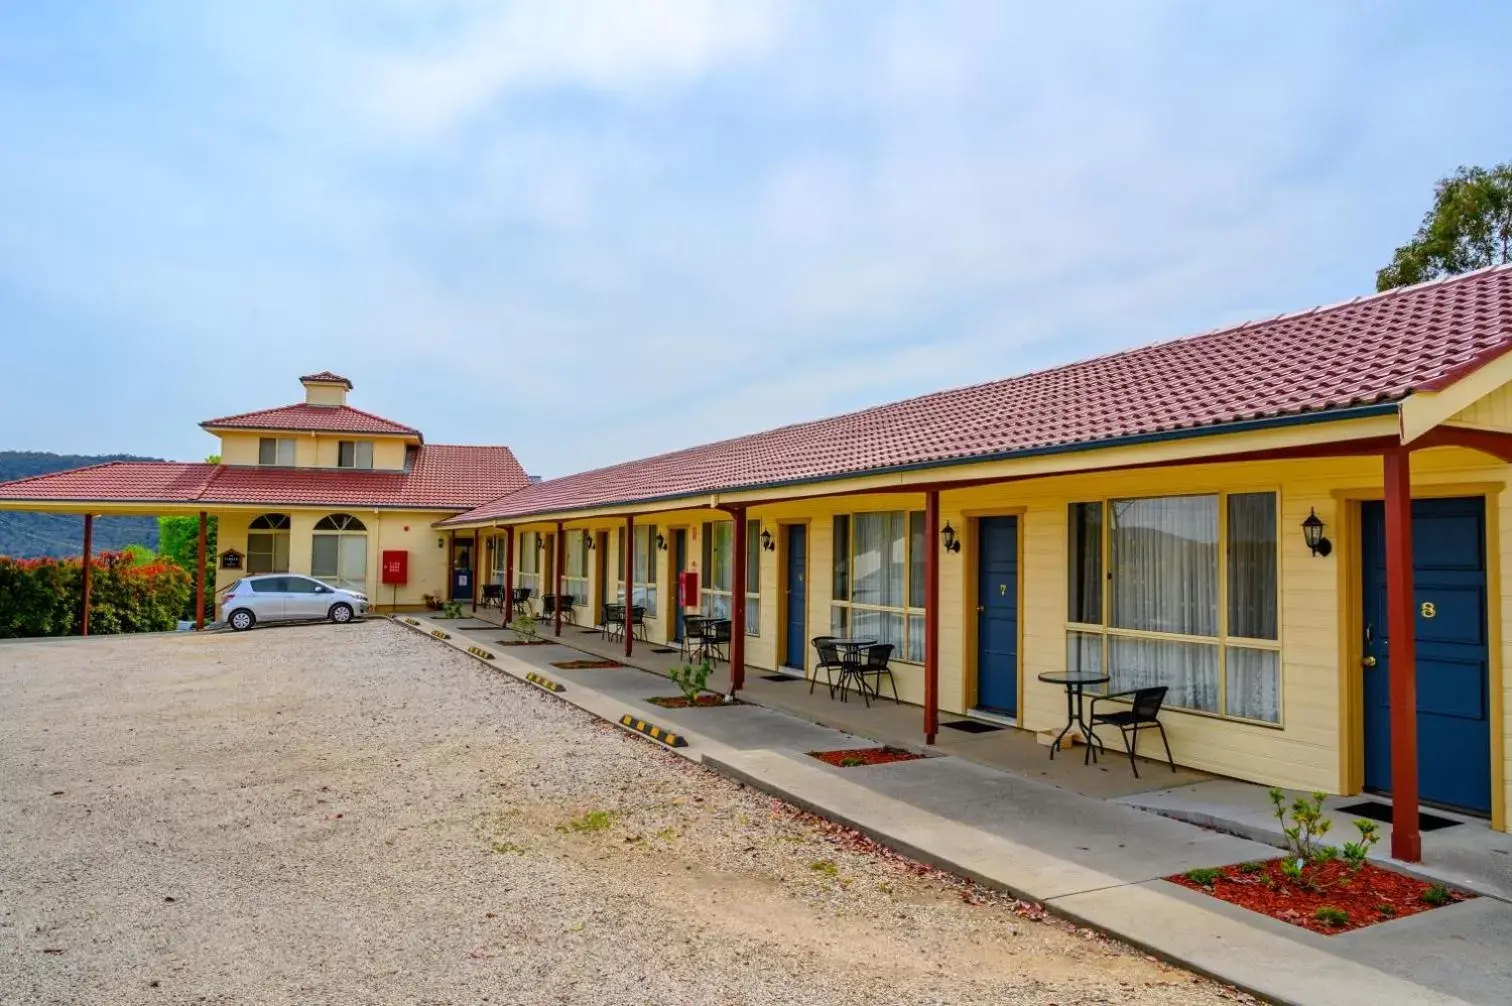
pixel 462 574
pixel 796 588
pixel 997 615
pixel 679 566
pixel 1453 672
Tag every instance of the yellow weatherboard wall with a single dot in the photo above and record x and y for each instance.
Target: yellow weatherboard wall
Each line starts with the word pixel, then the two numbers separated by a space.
pixel 311 450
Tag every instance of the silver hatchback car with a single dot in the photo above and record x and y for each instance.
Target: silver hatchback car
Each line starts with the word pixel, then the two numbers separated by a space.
pixel 283 597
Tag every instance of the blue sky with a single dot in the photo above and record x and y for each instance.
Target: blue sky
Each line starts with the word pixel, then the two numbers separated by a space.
pixel 599 230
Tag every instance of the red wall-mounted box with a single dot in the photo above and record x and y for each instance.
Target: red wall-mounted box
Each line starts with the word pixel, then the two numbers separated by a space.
pixel 395 566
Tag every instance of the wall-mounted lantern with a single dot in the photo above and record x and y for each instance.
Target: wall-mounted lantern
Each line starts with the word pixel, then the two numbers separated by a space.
pixel 588 540
pixel 1312 533
pixel 948 538
pixel 661 542
pixel 440 542
pixel 767 545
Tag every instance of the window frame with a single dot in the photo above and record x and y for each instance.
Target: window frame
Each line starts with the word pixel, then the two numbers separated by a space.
pixel 1223 640
pixel 356 453
pixel 708 594
pixel 283 447
pixel 912 616
pixel 578 558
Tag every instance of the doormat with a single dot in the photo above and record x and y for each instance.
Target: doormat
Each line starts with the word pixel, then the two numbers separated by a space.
pixel 663 649
pixel 591 632
pixel 779 677
pixel 1382 812
pixel 971 726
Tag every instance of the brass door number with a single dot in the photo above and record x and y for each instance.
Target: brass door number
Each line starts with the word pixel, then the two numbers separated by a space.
pixel 1428 610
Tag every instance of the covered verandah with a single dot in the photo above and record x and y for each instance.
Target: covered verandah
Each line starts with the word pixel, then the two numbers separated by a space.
pixel 1365 439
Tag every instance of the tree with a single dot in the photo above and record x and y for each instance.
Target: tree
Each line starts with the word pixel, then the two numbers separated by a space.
pixel 178 543
pixel 1469 227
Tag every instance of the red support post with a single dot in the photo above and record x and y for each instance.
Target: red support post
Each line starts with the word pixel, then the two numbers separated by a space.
pixel 556 574
pixel 1401 637
pixel 738 603
pixel 931 615
pixel 88 567
pixel 629 583
pixel 477 568
pixel 199 578
pixel 508 600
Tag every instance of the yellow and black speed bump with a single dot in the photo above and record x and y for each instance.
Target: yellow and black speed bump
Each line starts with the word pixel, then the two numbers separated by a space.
pixel 440 635
pixel 542 681
pixel 654 732
pixel 478 651
pixel 410 621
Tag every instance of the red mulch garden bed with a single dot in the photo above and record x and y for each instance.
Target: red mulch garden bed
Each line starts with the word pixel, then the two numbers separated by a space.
pixel 520 642
pixel 856 757
pixel 702 702
pixel 584 665
pixel 1372 895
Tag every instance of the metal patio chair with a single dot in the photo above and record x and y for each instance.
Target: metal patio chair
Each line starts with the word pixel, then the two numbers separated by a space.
pixel 871 662
pixel 614 621
pixel 1143 711
pixel 829 662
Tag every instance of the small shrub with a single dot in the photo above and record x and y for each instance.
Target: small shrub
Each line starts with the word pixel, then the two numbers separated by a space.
pixel 1387 910
pixel 691 680
pixel 851 762
pixel 825 866
pixel 594 820
pixel 1331 916
pixel 1204 875
pixel 1254 866
pixel 525 624
pixel 1437 895
pixel 1307 823
pixel 1292 868
pixel 509 848
pixel 451 609
pixel 1355 853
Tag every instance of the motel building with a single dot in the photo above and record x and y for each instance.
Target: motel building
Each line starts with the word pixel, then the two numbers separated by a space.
pixel 1294 524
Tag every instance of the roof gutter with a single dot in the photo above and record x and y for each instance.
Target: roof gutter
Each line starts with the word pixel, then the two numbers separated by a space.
pixel 1185 433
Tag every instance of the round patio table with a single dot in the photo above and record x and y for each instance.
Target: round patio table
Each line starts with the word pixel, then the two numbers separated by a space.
pixel 1075 683
pixel 850 656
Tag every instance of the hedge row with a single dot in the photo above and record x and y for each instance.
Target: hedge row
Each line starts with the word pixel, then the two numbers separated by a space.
pixel 44 597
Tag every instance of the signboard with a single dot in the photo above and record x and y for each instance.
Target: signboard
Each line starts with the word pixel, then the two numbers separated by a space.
pixel 395 566
pixel 231 559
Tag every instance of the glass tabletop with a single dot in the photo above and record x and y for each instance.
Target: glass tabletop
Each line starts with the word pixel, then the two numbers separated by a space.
pixel 852 644
pixel 1073 677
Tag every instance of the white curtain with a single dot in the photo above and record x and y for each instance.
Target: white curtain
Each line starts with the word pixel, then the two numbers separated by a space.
pixel 1252 684
pixel 1252 565
pixel 1189 670
pixel 1165 564
pixel 880 549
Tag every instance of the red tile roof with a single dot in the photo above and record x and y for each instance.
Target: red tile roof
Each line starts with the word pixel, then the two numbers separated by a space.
pixel 1369 350
pixel 439 476
pixel 326 377
pixel 304 417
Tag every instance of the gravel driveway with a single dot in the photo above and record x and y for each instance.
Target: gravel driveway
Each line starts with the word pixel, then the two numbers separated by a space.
pixel 359 815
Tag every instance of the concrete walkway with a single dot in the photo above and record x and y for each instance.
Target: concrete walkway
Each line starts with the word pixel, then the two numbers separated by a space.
pixel 1092 860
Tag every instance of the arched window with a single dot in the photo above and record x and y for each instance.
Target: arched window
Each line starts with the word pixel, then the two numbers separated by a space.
pixel 268 544
pixel 339 522
pixel 338 551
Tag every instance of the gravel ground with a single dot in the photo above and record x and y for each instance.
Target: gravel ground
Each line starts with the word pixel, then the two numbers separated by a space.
pixel 359 815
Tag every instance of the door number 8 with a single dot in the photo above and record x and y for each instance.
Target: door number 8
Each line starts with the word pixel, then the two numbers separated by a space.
pixel 1428 610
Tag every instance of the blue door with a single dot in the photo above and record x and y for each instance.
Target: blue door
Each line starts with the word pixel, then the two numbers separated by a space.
pixel 997 615
pixel 797 596
pixel 1453 673
pixel 679 566
pixel 462 574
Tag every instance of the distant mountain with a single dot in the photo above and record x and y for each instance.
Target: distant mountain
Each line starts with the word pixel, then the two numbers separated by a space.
pixel 30 535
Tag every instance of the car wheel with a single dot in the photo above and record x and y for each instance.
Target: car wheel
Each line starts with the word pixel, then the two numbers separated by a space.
pixel 341 613
pixel 241 620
